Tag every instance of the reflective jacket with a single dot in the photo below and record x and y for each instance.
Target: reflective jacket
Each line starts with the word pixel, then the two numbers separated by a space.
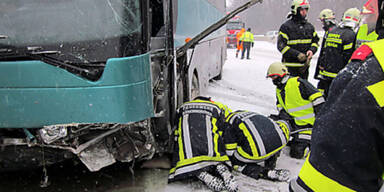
pixel 321 51
pixel 364 37
pixel 296 36
pixel 247 37
pixel 250 137
pixel 347 149
pixel 297 98
pixel 198 138
pixel 337 51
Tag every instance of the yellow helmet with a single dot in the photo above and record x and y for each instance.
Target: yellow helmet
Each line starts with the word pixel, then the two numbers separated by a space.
pixel 351 15
pixel 277 68
pixel 299 3
pixel 326 14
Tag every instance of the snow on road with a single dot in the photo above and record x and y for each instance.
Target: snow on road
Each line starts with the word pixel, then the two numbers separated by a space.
pixel 244 86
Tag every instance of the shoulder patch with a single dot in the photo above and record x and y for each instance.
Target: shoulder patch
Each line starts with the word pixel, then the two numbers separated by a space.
pixel 361 53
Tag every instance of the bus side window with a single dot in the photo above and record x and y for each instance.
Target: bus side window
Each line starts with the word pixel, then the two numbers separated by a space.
pixel 156 7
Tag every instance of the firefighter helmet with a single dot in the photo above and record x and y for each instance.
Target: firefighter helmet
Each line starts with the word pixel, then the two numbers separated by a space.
pixel 277 68
pixel 326 14
pixel 299 4
pixel 352 15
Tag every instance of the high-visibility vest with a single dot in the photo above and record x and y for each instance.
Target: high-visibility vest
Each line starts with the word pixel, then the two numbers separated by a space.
pixel 301 110
pixel 363 36
pixel 247 37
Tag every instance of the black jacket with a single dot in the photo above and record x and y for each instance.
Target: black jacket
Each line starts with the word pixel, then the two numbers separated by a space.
pixel 296 36
pixel 348 135
pixel 330 28
pixel 338 49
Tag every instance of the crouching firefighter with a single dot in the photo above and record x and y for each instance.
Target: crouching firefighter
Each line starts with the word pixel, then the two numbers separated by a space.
pixel 199 150
pixel 347 152
pixel 298 101
pixel 251 139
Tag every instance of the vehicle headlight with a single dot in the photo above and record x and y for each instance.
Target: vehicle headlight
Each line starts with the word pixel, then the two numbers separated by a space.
pixel 52 133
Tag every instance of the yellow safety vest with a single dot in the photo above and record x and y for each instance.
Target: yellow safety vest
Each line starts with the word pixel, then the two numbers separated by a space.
pixel 247 37
pixel 301 110
pixel 363 36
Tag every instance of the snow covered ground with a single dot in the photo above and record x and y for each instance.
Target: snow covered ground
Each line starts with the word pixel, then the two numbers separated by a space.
pixel 244 86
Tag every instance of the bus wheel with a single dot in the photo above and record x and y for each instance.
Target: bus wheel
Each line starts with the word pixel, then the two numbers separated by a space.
pixel 195 89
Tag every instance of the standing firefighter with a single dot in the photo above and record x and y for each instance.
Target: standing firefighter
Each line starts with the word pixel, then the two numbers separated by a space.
pixel 369 16
pixel 239 44
pixel 348 137
pixel 199 147
pixel 328 20
pixel 297 40
pixel 298 101
pixel 250 139
pixel 338 48
pixel 247 41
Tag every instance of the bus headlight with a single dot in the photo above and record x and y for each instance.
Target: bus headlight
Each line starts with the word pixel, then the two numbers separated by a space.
pixel 52 133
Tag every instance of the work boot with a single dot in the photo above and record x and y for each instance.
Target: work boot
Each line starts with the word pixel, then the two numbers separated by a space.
pixel 229 180
pixel 278 175
pixel 237 54
pixel 212 182
pixel 298 150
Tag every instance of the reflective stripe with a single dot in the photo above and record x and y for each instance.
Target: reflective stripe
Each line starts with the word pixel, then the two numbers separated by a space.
pixel 318 101
pixel 315 96
pixel 328 74
pixel 319 182
pixel 315 45
pixel 349 46
pixel 180 141
pixel 196 163
pixel 215 137
pixel 279 130
pixel 377 91
pixel 230 152
pixel 231 146
pixel 295 186
pixel 294 64
pixel 305 117
pixel 207 103
pixel 257 136
pixel 309 105
pixel 315 34
pixel 187 137
pixel 284 35
pixel 333 40
pixel 209 135
pixel 304 136
pixel 299 41
pixel 242 159
pixel 286 48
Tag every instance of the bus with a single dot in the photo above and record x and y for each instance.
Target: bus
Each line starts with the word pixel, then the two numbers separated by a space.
pixel 100 81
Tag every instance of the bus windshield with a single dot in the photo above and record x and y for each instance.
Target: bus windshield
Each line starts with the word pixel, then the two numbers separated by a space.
pixel 83 31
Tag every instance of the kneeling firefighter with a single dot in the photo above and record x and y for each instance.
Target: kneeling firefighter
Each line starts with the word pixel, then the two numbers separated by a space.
pixel 250 139
pixel 298 101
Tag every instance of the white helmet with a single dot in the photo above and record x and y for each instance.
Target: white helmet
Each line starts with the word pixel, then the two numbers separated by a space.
pixel 351 17
pixel 299 3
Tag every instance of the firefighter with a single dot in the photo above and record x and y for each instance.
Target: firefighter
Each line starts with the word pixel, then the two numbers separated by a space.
pixel 239 44
pixel 338 48
pixel 328 20
pixel 250 139
pixel 347 152
pixel 366 32
pixel 247 41
pixel 297 40
pixel 199 147
pixel 298 101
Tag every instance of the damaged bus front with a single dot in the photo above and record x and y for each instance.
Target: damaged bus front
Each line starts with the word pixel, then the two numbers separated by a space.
pixel 75 80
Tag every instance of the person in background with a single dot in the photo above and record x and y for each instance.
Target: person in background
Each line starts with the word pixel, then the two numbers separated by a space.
pixel 250 139
pixel 328 20
pixel 338 48
pixel 347 149
pixel 247 41
pixel 366 32
pixel 297 101
pixel 297 40
pixel 199 150
pixel 239 44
